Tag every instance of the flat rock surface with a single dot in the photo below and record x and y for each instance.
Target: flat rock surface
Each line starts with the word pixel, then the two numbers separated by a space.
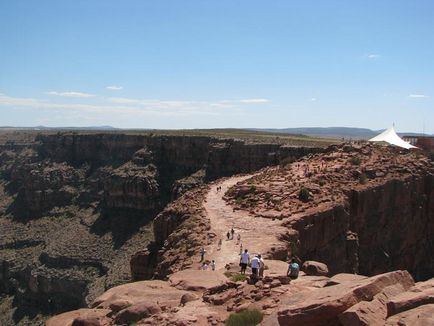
pixel 197 280
pixel 133 293
pixel 67 318
pixel 420 316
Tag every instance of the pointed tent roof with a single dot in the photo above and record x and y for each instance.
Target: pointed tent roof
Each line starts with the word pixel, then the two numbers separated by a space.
pixel 390 136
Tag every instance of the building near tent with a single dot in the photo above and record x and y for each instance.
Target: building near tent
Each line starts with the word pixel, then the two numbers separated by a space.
pixel 424 142
pixel 391 137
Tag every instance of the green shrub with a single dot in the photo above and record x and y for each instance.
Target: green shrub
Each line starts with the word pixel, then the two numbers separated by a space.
pixel 238 277
pixel 355 160
pixel 304 195
pixel 245 318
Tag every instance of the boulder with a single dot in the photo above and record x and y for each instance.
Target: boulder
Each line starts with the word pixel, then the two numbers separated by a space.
pixel 80 317
pixel 187 298
pixel 410 300
pixel 136 312
pixel 372 312
pixel 315 268
pixel 326 304
pixel 420 316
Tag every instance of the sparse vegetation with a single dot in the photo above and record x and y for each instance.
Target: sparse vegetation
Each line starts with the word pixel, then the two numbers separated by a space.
pixel 431 156
pixel 321 182
pixel 236 277
pixel 355 160
pixel 304 195
pixel 363 178
pixel 245 318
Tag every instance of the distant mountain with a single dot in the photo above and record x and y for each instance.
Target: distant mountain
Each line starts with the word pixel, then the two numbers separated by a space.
pixel 61 128
pixel 333 132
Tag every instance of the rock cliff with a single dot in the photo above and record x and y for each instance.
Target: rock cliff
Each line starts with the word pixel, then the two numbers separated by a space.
pixel 359 208
pixel 75 207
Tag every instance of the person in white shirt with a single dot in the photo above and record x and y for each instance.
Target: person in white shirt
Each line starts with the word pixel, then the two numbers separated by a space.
pixel 244 261
pixel 261 266
pixel 255 263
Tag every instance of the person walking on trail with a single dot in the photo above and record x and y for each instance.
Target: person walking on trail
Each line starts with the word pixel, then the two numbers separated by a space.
pixel 204 266
pixel 219 245
pixel 255 263
pixel 244 261
pixel 238 238
pixel 241 248
pixel 213 265
pixel 232 233
pixel 293 269
pixel 202 254
pixel 261 266
pixel 228 235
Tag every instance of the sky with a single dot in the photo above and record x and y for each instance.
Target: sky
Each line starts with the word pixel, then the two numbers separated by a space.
pixel 217 64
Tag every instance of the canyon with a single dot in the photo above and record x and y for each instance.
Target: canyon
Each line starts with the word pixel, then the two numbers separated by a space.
pixel 83 215
pixel 75 207
pixel 365 211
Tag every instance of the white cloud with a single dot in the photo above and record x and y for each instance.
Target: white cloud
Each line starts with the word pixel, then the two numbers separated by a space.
pixel 373 56
pixel 254 100
pixel 70 94
pixel 418 96
pixel 313 99
pixel 114 88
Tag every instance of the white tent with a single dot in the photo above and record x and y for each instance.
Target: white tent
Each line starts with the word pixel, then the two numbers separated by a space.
pixel 390 136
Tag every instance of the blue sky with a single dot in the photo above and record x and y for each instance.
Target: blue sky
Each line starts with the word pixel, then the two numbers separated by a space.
pixel 206 64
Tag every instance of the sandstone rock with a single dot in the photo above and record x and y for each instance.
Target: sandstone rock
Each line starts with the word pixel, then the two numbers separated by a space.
pixel 315 268
pixel 136 312
pixel 187 297
pixel 154 291
pixel 409 300
pixel 79 316
pixel 325 304
pixel 420 316
pixel 83 321
pixel 196 280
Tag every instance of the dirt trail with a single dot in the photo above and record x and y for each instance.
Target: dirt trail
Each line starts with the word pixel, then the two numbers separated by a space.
pixel 258 235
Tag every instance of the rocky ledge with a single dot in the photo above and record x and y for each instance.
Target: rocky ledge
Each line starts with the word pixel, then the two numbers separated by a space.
pixel 195 297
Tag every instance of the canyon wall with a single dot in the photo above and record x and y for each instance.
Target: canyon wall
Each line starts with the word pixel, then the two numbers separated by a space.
pixel 75 207
pixel 376 229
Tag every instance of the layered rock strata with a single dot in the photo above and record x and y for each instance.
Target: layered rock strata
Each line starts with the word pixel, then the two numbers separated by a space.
pixel 358 208
pixel 74 208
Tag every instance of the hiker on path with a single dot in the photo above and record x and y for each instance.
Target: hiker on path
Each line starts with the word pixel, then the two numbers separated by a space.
pixel 241 248
pixel 255 263
pixel 219 245
pixel 204 267
pixel 213 265
pixel 232 233
pixel 202 254
pixel 238 238
pixel 228 235
pixel 261 266
pixel 293 269
pixel 244 261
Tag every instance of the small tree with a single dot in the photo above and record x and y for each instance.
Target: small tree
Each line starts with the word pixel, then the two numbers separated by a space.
pixel 355 160
pixel 304 195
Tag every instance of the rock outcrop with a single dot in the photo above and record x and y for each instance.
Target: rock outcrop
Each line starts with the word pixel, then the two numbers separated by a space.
pixel 195 297
pixel 351 208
